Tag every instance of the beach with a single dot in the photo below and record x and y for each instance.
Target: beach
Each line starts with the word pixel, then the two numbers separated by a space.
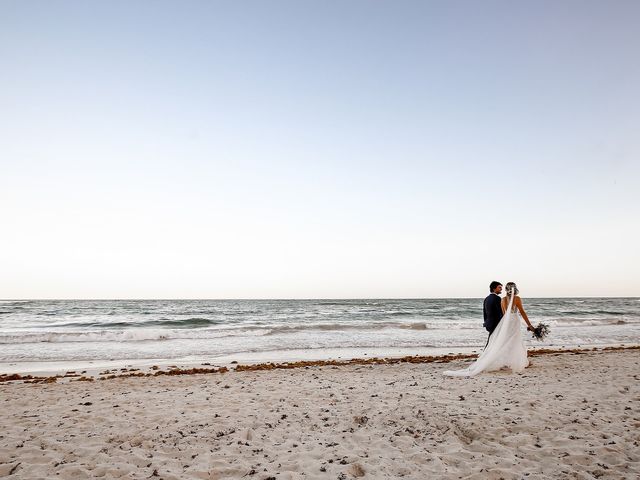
pixel 569 415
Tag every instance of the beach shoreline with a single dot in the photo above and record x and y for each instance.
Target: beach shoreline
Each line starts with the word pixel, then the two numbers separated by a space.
pixel 281 359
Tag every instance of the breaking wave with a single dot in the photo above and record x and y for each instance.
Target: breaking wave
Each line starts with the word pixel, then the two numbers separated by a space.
pixel 159 334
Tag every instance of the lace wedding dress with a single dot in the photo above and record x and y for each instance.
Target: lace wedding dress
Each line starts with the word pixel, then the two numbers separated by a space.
pixel 506 348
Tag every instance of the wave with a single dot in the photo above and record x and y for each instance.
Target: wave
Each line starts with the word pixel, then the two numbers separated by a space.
pixel 415 326
pixel 131 335
pixel 590 312
pixel 161 322
pixel 590 322
pixel 158 334
pixel 284 329
pixel 196 328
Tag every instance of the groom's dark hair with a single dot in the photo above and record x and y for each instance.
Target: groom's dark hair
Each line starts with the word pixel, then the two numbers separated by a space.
pixel 493 286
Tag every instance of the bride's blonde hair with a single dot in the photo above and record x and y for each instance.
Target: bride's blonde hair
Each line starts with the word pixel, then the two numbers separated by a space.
pixel 511 288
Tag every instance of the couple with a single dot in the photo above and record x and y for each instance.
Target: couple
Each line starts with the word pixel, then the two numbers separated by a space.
pixel 505 346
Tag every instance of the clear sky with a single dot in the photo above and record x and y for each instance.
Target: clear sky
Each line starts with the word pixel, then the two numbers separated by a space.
pixel 315 149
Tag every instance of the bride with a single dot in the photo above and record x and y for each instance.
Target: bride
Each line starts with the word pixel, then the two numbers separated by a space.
pixel 506 347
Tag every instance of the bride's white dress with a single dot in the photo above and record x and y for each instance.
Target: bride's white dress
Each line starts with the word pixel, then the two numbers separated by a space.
pixel 506 348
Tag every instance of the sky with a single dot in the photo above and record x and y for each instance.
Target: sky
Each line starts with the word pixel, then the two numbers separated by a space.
pixel 319 149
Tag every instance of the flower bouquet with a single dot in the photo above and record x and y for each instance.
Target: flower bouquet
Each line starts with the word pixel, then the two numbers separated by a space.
pixel 540 331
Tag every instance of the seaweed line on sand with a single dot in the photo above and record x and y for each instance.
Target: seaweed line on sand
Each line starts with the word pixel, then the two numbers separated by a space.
pixel 289 365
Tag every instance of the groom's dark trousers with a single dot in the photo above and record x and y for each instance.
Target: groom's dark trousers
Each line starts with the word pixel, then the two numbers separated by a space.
pixel 492 312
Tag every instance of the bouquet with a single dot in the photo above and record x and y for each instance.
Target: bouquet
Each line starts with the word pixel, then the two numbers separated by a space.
pixel 541 331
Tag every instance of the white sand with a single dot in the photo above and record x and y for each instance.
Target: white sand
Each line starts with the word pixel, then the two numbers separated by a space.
pixel 567 416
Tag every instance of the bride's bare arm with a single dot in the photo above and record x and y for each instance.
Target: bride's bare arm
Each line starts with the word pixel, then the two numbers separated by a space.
pixel 518 302
pixel 503 305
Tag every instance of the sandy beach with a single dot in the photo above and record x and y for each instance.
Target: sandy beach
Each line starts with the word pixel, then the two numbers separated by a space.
pixel 569 415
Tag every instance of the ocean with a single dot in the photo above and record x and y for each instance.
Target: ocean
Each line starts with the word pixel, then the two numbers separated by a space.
pixel 74 330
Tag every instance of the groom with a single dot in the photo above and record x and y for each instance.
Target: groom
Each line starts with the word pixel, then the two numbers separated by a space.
pixel 491 309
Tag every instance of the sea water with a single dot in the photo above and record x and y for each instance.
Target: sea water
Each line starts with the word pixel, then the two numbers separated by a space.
pixel 72 330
